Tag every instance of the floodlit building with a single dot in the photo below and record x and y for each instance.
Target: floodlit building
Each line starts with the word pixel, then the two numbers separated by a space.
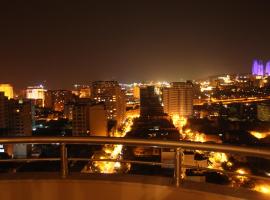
pixel 267 68
pixel 89 119
pixel 257 68
pixel 178 99
pixel 36 94
pixel 8 90
pixel 136 91
pixel 98 120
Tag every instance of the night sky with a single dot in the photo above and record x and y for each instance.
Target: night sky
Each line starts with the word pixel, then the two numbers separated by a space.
pixel 77 42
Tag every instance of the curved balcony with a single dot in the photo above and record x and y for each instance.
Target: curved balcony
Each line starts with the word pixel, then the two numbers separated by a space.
pixel 67 184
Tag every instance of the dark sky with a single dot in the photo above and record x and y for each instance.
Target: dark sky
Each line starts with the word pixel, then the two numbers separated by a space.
pixel 77 42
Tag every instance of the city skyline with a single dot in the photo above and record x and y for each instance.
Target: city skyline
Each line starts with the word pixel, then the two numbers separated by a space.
pixel 135 99
pixel 130 41
pixel 257 69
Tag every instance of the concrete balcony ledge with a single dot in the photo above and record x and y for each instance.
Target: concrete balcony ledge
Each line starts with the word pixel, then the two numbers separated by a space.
pixel 50 186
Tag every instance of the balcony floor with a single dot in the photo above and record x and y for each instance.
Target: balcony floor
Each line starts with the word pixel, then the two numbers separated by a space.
pixel 50 186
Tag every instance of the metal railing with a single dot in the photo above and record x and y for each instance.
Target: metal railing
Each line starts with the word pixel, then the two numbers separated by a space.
pixel 179 147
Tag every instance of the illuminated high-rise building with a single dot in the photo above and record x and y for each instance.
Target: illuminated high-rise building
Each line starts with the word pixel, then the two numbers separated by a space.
pixel 15 116
pixel 111 94
pixel 56 99
pixel 3 113
pixel 136 91
pixel 7 89
pixel 20 117
pixel 4 123
pixel 20 124
pixel 257 68
pixel 150 104
pixel 178 99
pixel 98 120
pixel 37 94
pixel 68 111
pixel 267 68
pixel 89 119
pixel 15 120
pixel 80 119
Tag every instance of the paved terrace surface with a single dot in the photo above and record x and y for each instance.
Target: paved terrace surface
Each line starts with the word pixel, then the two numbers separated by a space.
pixel 100 186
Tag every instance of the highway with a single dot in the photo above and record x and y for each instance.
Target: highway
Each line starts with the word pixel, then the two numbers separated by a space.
pixel 232 100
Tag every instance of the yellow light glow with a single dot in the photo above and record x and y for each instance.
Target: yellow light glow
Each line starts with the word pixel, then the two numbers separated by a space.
pixel 175 119
pixel 199 137
pixel 217 159
pixel 263 188
pixel 117 165
pixel 259 135
pixel 36 92
pixel 179 122
pixel 7 89
pixel 113 151
pixel 188 134
pixel 241 171
pixel 206 88
pixel 229 164
pixel 242 179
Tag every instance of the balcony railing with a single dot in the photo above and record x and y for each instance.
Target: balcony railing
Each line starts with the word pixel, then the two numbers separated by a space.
pixel 178 146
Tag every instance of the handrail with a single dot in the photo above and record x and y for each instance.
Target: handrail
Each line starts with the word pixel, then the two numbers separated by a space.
pixel 179 146
pixel 265 153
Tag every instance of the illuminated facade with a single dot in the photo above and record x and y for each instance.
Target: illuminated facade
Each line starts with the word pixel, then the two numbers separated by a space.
pixel 178 99
pixel 111 94
pixel 3 112
pixel 15 116
pixel 267 68
pixel 15 120
pixel 7 89
pixel 98 120
pixel 4 123
pixel 20 117
pixel 136 91
pixel 150 104
pixel 68 111
pixel 89 120
pixel 36 93
pixel 80 120
pixel 257 68
pixel 57 99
